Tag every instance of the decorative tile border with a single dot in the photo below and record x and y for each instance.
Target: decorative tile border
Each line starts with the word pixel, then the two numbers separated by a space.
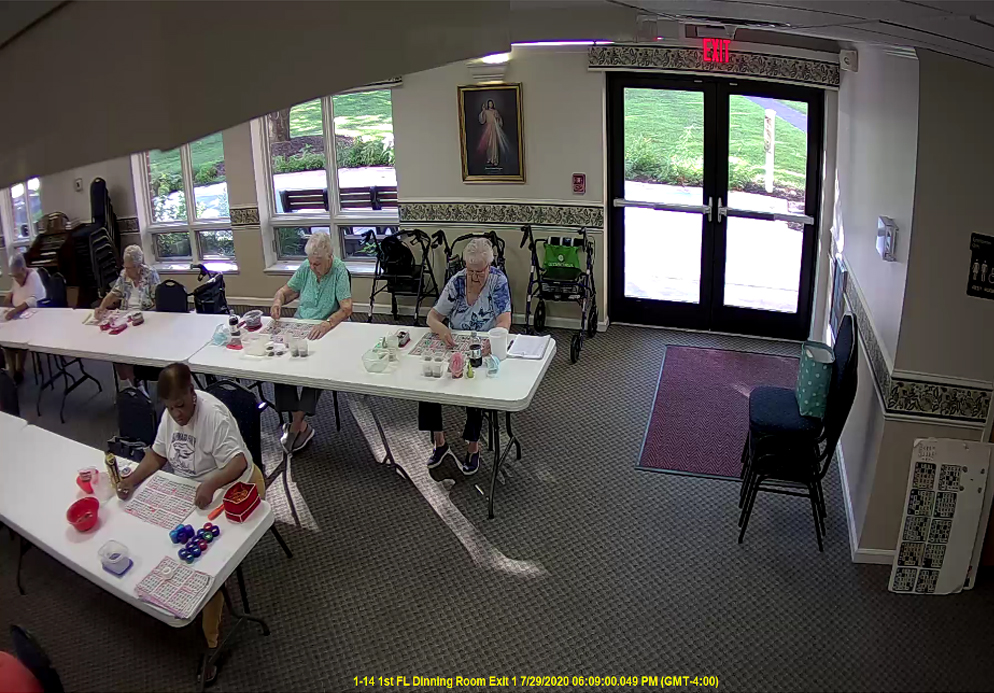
pixel 244 216
pixel 915 397
pixel 777 67
pixel 127 224
pixel 509 213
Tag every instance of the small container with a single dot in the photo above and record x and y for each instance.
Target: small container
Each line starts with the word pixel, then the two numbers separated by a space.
pixel 294 347
pixel 253 320
pixel 115 558
pixel 493 365
pixel 375 361
pixel 426 369
pixel 437 366
pixel 456 365
pixel 87 478
pixel 137 319
pixel 233 328
pixel 240 500
pixel 302 348
pixel 83 514
pixel 393 346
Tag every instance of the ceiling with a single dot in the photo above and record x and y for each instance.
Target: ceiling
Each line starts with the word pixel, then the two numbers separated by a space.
pixel 964 28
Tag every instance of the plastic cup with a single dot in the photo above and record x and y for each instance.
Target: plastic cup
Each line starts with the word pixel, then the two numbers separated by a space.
pixel 498 342
pixel 426 368
pixel 302 347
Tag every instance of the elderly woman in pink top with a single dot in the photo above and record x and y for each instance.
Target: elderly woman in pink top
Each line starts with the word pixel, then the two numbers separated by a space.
pixel 26 291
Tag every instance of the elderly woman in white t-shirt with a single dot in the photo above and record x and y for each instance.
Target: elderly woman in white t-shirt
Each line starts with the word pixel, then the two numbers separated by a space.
pixel 25 293
pixel 133 290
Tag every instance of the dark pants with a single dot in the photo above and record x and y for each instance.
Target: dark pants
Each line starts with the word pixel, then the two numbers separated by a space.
pixel 430 419
pixel 287 399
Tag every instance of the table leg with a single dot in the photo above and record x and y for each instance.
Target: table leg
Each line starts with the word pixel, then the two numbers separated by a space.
pixel 495 437
pixel 22 549
pixel 388 458
pixel 209 658
pixel 241 589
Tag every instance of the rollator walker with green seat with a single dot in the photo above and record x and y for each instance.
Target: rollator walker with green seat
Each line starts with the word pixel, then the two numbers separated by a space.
pixel 559 276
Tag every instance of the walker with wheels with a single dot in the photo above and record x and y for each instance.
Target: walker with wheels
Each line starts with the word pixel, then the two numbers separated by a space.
pixel 559 276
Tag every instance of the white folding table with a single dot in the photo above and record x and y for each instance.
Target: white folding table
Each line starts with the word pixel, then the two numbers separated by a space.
pixel 10 425
pixel 334 362
pixel 39 469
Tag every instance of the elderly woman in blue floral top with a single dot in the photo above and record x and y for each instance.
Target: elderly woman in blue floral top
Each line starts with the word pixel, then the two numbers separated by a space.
pixel 133 290
pixel 476 298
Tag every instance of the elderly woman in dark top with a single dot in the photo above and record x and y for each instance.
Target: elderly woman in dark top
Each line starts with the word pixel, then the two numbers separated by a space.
pixel 476 298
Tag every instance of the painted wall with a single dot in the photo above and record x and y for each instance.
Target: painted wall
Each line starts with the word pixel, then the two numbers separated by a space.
pixel 58 193
pixel 948 332
pixel 877 144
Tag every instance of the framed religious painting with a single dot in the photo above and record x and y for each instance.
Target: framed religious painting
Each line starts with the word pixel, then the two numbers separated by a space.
pixel 490 135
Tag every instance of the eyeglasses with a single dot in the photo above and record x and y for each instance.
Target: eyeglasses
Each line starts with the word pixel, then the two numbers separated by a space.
pixel 477 274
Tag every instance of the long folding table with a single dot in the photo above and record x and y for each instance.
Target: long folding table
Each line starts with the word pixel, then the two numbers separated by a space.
pixel 334 362
pixel 38 471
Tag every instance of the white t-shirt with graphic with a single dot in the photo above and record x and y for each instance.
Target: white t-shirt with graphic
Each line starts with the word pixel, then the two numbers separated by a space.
pixel 208 442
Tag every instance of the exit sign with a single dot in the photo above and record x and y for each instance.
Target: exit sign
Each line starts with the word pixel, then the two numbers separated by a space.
pixel 716 50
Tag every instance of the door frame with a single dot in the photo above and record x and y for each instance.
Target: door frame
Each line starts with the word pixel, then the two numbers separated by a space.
pixel 716 317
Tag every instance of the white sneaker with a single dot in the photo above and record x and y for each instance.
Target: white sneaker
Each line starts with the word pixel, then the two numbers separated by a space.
pixel 303 439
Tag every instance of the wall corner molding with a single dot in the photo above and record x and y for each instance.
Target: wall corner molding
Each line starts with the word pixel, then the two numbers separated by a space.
pixel 642 58
pixel 538 213
pixel 931 398
pixel 244 216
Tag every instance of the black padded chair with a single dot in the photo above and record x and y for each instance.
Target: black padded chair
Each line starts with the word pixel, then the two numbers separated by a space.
pixel 9 403
pixel 33 657
pixel 136 418
pixel 247 411
pixel 789 454
pixel 55 292
pixel 171 297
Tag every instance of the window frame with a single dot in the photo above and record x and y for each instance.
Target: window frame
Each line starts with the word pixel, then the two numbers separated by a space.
pixel 192 226
pixel 334 217
pixel 11 239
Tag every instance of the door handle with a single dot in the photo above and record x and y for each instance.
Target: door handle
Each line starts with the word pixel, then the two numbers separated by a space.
pixel 722 211
pixel 710 207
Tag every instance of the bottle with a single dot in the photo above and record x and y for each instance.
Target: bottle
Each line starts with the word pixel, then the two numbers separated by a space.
pixel 475 350
pixel 112 471
pixel 233 326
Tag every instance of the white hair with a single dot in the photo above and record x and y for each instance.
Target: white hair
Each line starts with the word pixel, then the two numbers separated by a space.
pixel 478 249
pixel 17 262
pixel 319 245
pixel 135 254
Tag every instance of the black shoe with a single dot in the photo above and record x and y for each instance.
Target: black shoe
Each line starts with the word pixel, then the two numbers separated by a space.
pixel 438 456
pixel 470 465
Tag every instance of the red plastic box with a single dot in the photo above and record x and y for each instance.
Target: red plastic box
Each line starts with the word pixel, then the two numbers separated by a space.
pixel 239 511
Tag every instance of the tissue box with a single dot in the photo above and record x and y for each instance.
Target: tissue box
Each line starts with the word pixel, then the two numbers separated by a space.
pixel 240 500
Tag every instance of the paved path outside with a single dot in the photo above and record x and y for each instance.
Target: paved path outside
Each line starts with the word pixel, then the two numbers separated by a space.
pixel 791 115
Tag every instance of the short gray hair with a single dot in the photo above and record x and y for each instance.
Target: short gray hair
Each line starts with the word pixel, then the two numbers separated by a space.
pixel 478 249
pixel 17 262
pixel 319 245
pixel 135 254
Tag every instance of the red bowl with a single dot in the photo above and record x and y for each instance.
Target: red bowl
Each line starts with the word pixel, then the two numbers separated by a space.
pixel 83 514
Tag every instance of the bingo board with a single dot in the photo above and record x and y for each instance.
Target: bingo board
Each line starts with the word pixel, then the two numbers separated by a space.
pixel 162 501
pixel 175 587
pixel 288 330
pixel 431 343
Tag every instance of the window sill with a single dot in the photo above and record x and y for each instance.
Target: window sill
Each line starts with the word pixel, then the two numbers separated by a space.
pixel 185 268
pixel 356 269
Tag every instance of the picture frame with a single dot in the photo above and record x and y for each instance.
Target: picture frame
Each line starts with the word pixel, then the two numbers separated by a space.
pixel 491 139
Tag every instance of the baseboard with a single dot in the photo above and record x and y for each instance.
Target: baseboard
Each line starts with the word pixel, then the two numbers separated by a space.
pixel 408 311
pixel 858 555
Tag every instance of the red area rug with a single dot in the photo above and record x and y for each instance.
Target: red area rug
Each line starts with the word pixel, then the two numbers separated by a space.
pixel 700 417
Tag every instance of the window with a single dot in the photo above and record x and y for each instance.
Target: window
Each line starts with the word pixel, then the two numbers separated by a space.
pixel 20 211
pixel 306 195
pixel 184 216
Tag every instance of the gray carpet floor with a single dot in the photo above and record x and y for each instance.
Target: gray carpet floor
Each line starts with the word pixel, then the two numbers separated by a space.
pixel 591 566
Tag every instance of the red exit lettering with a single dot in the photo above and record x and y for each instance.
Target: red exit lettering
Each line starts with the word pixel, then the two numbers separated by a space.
pixel 716 50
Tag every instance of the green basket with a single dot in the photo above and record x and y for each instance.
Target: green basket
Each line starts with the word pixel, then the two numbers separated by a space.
pixel 814 378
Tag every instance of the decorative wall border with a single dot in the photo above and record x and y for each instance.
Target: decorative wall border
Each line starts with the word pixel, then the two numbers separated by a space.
pixel 507 213
pixel 244 216
pixel 781 68
pixel 902 396
pixel 127 224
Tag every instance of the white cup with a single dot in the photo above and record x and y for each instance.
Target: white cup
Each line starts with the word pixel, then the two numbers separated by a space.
pixel 498 342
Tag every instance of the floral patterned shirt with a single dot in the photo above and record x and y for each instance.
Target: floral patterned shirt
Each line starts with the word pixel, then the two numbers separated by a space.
pixel 494 300
pixel 148 279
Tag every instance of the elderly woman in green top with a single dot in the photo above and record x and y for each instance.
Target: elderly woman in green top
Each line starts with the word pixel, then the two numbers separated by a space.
pixel 322 284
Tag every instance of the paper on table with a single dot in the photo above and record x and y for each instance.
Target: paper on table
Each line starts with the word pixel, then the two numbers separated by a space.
pixel 528 347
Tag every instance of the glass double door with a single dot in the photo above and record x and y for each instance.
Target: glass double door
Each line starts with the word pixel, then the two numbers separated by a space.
pixel 714 189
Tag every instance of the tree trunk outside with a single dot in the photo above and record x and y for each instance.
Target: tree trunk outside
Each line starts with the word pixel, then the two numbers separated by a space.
pixel 279 126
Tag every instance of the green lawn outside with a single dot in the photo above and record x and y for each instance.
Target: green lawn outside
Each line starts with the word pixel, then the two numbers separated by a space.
pixel 664 141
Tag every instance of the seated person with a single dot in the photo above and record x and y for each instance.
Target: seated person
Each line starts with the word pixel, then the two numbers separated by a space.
pixel 25 293
pixel 476 298
pixel 322 284
pixel 133 290
pixel 199 438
